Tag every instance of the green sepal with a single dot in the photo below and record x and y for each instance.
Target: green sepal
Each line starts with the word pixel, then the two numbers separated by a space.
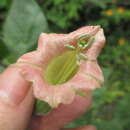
pixel 81 93
pixel 62 68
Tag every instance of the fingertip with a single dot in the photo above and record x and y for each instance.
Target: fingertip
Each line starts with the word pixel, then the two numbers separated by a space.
pixel 13 87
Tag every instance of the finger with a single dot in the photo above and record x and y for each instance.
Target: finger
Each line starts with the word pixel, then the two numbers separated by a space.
pixel 90 127
pixel 64 114
pixel 16 100
pixel 13 87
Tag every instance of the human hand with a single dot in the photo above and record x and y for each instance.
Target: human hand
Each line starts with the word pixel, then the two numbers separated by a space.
pixel 16 106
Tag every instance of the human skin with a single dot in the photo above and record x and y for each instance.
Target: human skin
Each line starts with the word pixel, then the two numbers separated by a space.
pixel 17 101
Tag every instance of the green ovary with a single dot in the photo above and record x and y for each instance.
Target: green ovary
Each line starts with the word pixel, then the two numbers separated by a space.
pixel 62 68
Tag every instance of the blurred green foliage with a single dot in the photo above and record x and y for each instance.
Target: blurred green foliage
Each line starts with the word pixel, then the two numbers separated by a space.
pixel 21 21
pixel 23 25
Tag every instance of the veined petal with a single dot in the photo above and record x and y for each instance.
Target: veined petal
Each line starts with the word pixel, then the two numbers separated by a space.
pixel 98 44
pixel 89 77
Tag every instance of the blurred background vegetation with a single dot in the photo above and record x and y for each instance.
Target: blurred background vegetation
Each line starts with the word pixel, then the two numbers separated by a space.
pixel 21 22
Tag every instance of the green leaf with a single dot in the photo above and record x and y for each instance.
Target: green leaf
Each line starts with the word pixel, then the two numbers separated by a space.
pixel 41 107
pixel 23 25
pixel 81 93
pixel 1 68
pixel 106 72
pixel 3 3
pixel 99 3
pixel 3 50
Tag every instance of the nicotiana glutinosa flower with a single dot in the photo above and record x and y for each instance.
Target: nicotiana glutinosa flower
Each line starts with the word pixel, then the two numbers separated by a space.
pixel 64 65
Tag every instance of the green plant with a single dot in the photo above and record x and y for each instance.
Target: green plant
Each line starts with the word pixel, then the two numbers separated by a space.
pixel 22 28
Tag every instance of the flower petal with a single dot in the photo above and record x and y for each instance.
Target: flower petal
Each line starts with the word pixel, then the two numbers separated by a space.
pixel 98 44
pixel 88 77
pixel 54 95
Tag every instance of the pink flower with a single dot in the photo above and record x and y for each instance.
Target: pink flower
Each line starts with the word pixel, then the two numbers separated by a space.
pixel 88 76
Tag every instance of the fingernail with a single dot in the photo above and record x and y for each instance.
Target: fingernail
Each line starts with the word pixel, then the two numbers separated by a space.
pixel 13 87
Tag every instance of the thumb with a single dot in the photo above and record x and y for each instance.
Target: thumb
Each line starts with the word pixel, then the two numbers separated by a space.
pixel 16 100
